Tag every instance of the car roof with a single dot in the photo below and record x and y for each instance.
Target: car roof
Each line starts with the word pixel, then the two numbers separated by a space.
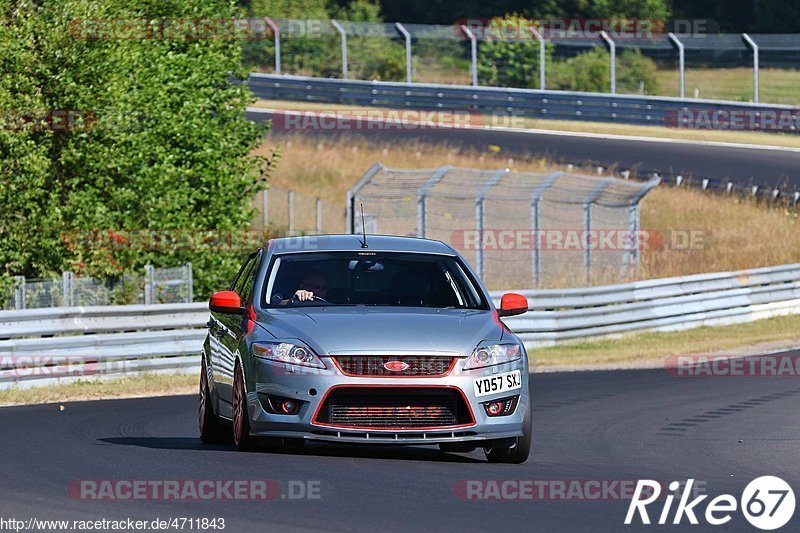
pixel 375 243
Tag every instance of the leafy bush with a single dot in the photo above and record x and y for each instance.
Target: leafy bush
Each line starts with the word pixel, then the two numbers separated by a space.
pixel 590 72
pixel 165 149
pixel 320 55
pixel 510 56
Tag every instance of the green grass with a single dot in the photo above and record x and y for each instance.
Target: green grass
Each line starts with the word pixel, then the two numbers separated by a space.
pixel 777 86
pixel 659 345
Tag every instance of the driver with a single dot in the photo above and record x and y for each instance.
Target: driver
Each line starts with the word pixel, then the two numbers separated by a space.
pixel 314 285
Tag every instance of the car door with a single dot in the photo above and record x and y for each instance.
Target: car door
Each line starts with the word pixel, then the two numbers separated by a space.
pixel 226 331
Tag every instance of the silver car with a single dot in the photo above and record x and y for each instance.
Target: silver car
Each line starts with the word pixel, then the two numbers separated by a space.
pixel 376 339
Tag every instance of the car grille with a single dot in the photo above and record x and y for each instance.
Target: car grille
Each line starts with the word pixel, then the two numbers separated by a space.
pixel 374 365
pixel 394 408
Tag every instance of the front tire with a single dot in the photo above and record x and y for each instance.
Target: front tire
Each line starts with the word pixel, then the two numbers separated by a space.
pixel 212 431
pixel 241 419
pixel 519 451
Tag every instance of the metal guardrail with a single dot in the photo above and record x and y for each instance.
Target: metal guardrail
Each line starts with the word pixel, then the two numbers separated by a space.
pixel 58 345
pixel 560 105
pixel 666 304
pixel 41 347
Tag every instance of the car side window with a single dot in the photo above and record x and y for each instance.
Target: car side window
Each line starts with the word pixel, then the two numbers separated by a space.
pixel 247 280
pixel 241 277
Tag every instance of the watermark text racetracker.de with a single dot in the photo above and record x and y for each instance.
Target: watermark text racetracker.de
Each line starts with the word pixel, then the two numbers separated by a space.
pixel 198 490
pixel 20 366
pixel 762 119
pixel 774 365
pixel 545 489
pixel 578 239
pixel 522 29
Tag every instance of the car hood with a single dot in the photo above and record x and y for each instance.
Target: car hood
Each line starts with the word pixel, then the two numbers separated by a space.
pixel 332 330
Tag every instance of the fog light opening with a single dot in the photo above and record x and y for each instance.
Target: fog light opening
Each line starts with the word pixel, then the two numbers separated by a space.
pixel 278 405
pixel 289 407
pixel 494 408
pixel 501 407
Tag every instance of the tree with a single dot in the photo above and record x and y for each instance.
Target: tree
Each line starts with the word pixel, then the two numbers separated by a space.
pixel 590 72
pixel 164 150
pixel 510 55
pixel 629 9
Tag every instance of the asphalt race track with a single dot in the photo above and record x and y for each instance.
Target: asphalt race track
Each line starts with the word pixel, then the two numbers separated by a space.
pixel 613 425
pixel 744 166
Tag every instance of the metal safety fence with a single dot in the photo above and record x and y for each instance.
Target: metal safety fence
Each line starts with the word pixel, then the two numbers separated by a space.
pixel 285 212
pixel 531 103
pixel 692 60
pixel 158 285
pixel 667 304
pixel 41 347
pixel 515 228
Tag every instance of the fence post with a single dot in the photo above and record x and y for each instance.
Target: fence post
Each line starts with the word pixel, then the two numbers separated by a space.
pixel 541 57
pixel 536 198
pixel 681 62
pixel 319 216
pixel 350 223
pixel 422 199
pixel 277 32
pixel 631 259
pixel 67 290
pixel 587 226
pixel 291 213
pixel 343 33
pixel 149 285
pixel 613 51
pixel 754 46
pixel 189 277
pixel 479 215
pixel 265 207
pixel 19 292
pixel 407 37
pixel 473 49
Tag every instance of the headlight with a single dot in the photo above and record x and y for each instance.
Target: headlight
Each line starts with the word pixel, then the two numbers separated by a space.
pixel 286 352
pixel 494 354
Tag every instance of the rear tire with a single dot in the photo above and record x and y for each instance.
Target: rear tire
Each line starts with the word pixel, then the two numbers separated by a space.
pixel 519 451
pixel 241 420
pixel 212 431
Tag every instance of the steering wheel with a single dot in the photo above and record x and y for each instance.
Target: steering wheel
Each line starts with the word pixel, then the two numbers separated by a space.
pixel 313 299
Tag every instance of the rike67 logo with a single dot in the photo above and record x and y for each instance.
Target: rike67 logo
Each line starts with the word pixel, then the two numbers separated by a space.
pixel 767 503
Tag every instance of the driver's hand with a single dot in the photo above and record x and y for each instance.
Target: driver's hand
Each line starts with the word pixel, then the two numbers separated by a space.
pixel 303 296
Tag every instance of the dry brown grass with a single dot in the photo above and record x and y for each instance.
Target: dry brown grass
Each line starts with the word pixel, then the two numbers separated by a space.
pixel 758 336
pixel 729 234
pixel 327 169
pixel 146 385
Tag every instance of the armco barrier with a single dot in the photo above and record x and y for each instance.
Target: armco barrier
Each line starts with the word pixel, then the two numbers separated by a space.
pixel 662 305
pixel 561 105
pixel 53 345
pixel 46 346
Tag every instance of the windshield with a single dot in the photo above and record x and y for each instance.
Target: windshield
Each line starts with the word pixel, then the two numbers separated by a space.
pixel 370 278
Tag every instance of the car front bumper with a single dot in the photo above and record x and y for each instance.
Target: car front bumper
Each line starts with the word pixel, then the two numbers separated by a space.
pixel 310 386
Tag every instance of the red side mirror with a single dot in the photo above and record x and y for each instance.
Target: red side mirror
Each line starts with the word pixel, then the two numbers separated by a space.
pixel 512 304
pixel 226 302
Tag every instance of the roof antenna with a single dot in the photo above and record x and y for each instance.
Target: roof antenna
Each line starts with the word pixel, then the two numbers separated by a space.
pixel 363 228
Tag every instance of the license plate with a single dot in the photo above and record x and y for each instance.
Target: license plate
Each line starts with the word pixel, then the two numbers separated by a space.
pixel 505 382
